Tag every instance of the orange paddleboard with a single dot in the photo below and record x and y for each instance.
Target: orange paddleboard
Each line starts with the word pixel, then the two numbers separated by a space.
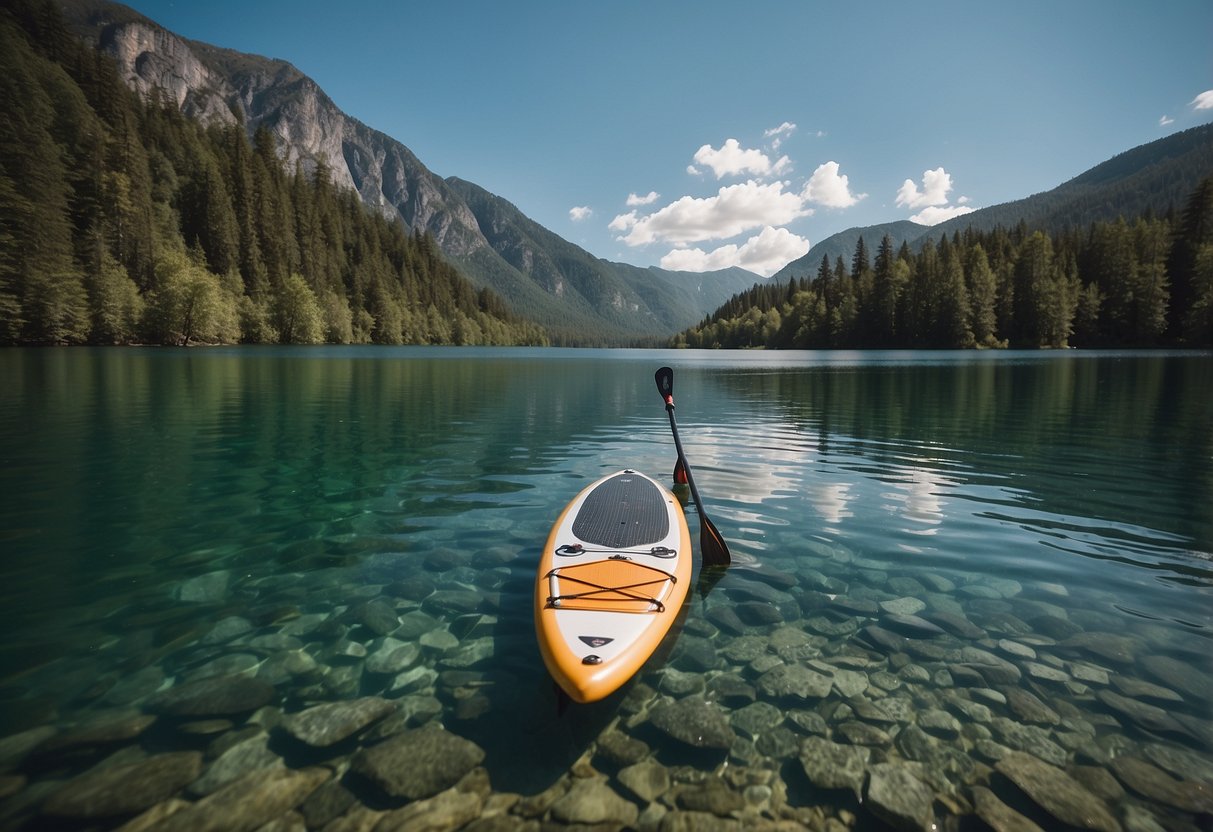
pixel 614 573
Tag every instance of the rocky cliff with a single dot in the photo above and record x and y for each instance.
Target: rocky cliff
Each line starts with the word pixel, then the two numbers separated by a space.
pixel 542 275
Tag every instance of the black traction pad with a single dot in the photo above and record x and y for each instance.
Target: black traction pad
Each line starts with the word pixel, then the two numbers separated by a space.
pixel 626 510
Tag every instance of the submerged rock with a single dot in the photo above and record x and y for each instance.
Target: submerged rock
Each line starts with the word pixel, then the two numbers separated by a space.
pixel 324 725
pixel 794 683
pixel 419 763
pixel 694 722
pixel 998 815
pixel 214 696
pixel 899 798
pixel 648 780
pixel 830 765
pixel 1057 793
pixel 248 803
pixel 592 801
pixel 116 790
pixel 243 758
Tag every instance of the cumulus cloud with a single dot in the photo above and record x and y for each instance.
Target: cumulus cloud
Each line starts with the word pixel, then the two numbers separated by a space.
pixel 764 254
pixel 623 222
pixel 579 213
pixel 647 199
pixel 693 171
pixel 932 199
pixel 935 186
pixel 1204 101
pixel 935 214
pixel 734 210
pixel 1165 120
pixel 830 188
pixel 733 160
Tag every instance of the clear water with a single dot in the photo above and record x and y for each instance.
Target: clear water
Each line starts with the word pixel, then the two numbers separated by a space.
pixel 150 494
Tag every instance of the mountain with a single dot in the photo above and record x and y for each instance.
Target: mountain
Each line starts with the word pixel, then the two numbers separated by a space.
pixel 581 298
pixel 1154 178
pixel 843 243
pixel 574 293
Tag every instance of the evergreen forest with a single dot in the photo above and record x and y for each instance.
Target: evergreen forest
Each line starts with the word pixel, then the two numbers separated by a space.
pixel 123 221
pixel 1143 283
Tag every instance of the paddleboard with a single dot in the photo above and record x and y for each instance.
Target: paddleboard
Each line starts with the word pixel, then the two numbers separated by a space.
pixel 613 576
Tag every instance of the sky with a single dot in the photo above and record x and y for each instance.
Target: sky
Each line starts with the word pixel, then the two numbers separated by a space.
pixel 702 135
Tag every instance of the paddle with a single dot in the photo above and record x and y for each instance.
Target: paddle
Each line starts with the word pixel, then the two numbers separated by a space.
pixel 711 544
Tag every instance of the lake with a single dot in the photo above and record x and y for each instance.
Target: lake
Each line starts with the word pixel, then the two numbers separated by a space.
pixel 295 584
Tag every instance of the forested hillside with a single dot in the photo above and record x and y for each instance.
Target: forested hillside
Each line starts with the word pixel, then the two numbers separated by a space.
pixel 123 221
pixel 1140 283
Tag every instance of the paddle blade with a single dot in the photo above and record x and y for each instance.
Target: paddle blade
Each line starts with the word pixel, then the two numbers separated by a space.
pixel 665 383
pixel 714 550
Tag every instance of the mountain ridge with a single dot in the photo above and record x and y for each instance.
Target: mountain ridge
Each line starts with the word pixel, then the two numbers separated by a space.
pixel 219 85
pixel 1156 176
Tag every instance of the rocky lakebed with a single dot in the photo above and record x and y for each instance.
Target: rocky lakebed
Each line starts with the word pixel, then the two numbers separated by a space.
pixel 405 692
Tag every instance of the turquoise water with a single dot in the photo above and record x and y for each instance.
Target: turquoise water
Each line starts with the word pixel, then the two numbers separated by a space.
pixel 163 509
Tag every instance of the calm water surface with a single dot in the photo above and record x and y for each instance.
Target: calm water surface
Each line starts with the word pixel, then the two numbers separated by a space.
pixel 176 515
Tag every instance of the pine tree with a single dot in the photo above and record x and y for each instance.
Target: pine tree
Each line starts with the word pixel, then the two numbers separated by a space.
pixel 981 285
pixel 1193 234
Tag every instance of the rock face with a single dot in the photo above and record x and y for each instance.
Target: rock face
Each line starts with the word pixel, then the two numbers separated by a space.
pixel 543 275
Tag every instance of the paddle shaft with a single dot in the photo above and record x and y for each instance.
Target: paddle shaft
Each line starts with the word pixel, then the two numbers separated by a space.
pixel 686 469
pixel 712 546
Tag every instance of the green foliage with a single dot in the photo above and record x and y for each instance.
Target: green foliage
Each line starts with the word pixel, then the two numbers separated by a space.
pixel 297 313
pixel 1112 286
pixel 123 221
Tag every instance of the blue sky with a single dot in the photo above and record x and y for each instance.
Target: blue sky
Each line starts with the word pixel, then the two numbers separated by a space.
pixel 707 134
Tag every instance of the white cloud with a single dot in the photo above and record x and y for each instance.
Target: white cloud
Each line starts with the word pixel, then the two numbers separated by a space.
pixel 1204 101
pixel 647 199
pixel 734 210
pixel 623 222
pixel 829 188
pixel 935 214
pixel 935 186
pixel 764 254
pixel 785 129
pixel 1165 120
pixel 733 160
pixel 693 171
pixel 579 213
pixel 778 134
